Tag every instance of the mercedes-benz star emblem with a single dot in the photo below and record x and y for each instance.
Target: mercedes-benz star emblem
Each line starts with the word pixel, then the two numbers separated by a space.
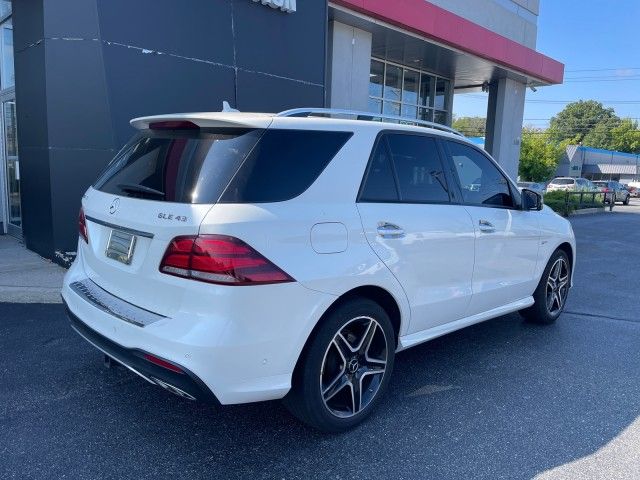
pixel 114 206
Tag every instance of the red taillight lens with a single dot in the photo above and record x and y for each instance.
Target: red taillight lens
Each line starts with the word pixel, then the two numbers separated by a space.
pixel 219 259
pixel 82 226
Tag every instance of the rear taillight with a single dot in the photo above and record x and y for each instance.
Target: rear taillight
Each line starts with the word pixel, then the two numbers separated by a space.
pixel 82 226
pixel 219 259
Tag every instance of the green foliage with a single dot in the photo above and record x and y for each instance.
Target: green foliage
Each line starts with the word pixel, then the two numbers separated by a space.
pixel 625 137
pixel 558 201
pixel 587 122
pixel 471 126
pixel 539 157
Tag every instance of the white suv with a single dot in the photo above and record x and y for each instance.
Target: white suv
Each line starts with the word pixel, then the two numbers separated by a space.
pixel 234 257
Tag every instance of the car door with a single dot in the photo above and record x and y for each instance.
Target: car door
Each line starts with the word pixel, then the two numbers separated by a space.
pixel 507 238
pixel 413 225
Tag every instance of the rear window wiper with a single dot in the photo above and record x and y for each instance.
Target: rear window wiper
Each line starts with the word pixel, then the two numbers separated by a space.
pixel 134 187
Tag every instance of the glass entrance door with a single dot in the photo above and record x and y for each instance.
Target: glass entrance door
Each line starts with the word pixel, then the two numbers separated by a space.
pixel 10 142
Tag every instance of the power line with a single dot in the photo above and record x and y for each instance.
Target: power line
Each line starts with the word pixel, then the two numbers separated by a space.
pixel 620 102
pixel 602 69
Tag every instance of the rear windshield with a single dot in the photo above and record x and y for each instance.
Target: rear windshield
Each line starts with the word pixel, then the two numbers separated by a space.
pixel 228 165
pixel 563 181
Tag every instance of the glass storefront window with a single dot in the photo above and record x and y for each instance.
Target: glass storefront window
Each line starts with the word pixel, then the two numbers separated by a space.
pixel 393 83
pixel 410 87
pixel 426 90
pixel 5 8
pixel 391 108
pixel 376 78
pixel 442 94
pixel 409 93
pixel 12 163
pixel 7 72
pixel 409 111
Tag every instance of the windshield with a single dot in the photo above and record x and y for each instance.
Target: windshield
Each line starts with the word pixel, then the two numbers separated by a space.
pixel 563 181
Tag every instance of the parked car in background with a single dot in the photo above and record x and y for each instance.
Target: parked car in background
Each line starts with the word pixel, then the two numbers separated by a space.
pixel 613 191
pixel 571 184
pixel 535 186
pixel 634 189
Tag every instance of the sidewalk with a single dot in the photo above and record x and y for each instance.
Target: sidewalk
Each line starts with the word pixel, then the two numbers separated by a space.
pixel 25 277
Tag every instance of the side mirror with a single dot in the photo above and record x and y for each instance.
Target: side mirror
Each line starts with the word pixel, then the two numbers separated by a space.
pixel 531 200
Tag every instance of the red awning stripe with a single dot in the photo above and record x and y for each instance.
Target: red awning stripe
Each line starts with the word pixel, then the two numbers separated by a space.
pixel 438 24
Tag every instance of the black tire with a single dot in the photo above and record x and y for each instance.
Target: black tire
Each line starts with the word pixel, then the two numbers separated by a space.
pixel 540 312
pixel 626 200
pixel 306 400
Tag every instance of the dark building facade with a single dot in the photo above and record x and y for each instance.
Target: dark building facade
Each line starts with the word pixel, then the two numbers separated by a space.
pixel 84 68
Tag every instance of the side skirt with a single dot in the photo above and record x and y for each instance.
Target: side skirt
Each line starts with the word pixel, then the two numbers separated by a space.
pixel 413 339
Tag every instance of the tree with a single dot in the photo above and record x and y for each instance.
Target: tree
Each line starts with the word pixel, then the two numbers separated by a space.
pixel 587 122
pixel 625 137
pixel 539 156
pixel 471 126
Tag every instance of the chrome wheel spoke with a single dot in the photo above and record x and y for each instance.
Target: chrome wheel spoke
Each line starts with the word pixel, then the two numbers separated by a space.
pixel 557 284
pixel 356 395
pixel 365 343
pixel 343 346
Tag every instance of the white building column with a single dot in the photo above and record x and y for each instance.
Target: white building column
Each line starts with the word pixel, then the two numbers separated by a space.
pixel 350 67
pixel 505 114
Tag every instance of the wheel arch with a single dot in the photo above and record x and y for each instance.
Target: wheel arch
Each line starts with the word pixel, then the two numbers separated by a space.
pixel 568 249
pixel 372 292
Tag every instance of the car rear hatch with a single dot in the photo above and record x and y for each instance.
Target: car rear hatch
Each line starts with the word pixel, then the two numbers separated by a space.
pixel 160 186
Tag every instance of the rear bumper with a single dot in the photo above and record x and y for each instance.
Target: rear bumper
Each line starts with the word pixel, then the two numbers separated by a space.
pixel 184 383
pixel 241 343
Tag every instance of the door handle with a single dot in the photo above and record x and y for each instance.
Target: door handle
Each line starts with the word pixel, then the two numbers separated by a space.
pixel 486 226
pixel 389 230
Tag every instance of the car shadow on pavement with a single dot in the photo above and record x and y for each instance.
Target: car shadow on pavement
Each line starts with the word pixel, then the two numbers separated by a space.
pixel 500 399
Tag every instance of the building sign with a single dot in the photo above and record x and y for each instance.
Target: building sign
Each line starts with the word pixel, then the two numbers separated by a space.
pixel 288 6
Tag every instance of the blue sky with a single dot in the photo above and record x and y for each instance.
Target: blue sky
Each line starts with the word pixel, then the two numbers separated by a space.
pixel 587 35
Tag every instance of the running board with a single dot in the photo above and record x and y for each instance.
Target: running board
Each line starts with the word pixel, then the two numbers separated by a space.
pixel 435 332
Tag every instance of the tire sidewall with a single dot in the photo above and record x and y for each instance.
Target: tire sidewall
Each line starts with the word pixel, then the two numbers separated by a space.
pixel 541 293
pixel 312 366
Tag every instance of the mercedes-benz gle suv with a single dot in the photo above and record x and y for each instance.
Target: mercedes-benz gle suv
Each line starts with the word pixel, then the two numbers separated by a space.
pixel 236 257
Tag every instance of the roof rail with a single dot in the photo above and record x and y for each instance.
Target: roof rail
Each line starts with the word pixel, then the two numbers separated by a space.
pixel 366 116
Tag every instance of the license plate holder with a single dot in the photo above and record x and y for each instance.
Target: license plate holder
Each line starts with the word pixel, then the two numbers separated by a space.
pixel 120 246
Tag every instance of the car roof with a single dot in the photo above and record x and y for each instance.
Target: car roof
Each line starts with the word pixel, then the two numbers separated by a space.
pixel 234 119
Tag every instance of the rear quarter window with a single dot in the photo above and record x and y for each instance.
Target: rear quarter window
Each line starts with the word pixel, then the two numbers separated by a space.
pixel 283 164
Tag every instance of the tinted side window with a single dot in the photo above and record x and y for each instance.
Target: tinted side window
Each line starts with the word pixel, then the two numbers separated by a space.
pixel 418 169
pixel 482 183
pixel 283 164
pixel 379 183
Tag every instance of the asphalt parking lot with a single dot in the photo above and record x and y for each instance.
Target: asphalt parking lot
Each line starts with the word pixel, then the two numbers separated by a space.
pixel 502 399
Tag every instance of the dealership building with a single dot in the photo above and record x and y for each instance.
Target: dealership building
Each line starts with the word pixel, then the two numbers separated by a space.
pixel 74 72
pixel 597 164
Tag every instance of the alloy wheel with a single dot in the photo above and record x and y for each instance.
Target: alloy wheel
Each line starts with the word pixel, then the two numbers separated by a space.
pixel 353 367
pixel 557 286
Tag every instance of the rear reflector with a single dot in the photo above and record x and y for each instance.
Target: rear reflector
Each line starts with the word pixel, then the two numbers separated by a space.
pixel 162 363
pixel 82 226
pixel 173 125
pixel 219 259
